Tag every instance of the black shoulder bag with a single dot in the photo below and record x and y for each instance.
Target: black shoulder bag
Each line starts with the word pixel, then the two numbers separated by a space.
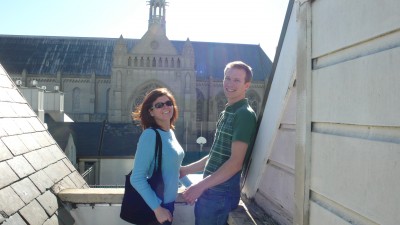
pixel 134 209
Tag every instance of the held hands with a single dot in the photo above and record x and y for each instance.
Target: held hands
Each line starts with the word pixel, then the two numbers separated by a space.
pixel 162 214
pixel 192 193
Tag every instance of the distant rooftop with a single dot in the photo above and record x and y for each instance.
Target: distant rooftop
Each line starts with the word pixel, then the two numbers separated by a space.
pixel 80 56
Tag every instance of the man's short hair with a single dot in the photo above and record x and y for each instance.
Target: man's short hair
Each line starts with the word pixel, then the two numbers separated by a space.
pixel 243 66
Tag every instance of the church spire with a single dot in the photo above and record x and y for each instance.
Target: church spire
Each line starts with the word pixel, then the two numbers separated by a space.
pixel 157 12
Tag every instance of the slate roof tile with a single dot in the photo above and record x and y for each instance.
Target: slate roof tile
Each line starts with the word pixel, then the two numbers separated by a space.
pixel 31 164
pixel 49 202
pixel 63 184
pixel 34 213
pixel 2 132
pixel 36 124
pixel 77 179
pixel 7 175
pixel 7 110
pixel 57 171
pixel 26 190
pixel 21 109
pixel 24 125
pixel 4 96
pixel 17 97
pixel 69 165
pixel 21 166
pixel 10 202
pixel 4 152
pixel 53 221
pixel 36 160
pixel 29 141
pixel 5 81
pixel 15 145
pixel 41 180
pixel 8 124
pixel 42 138
pixel 15 219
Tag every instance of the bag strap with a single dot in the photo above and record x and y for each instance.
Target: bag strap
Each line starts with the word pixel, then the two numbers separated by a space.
pixel 157 151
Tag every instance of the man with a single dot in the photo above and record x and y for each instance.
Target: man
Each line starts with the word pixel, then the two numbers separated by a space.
pixel 219 191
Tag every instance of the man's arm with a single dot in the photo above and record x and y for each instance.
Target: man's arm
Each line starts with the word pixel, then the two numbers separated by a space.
pixel 226 171
pixel 193 167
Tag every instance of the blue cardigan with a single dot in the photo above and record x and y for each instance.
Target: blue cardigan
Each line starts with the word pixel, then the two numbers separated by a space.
pixel 172 156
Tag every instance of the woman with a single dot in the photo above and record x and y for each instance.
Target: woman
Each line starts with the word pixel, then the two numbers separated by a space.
pixel 158 110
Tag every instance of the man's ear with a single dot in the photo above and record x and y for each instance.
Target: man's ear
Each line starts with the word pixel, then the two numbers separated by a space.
pixel 247 85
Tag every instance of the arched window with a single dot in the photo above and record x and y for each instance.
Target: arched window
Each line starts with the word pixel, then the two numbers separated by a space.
pixel 129 61
pixel 135 62
pixel 76 102
pixel 178 63
pixel 172 63
pixel 148 62
pixel 200 106
pixel 141 62
pixel 166 62
pixel 139 98
pixel 220 99
pixel 160 62
pixel 254 99
pixel 153 64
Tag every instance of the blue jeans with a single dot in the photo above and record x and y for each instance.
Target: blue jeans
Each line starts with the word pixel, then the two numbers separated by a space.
pixel 214 205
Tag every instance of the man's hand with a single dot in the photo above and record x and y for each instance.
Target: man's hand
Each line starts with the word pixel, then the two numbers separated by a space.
pixel 192 193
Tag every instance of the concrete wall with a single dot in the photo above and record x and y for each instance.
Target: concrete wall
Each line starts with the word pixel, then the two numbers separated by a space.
pixel 348 132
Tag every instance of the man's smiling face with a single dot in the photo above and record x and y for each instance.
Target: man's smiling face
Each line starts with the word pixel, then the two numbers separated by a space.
pixel 234 85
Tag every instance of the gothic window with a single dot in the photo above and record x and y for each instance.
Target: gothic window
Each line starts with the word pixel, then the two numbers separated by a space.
pixel 172 63
pixel 160 62
pixel 139 98
pixel 148 62
pixel 221 102
pixel 129 61
pixel 135 62
pixel 153 64
pixel 76 92
pixel 166 62
pixel 200 106
pixel 178 63
pixel 141 61
pixel 254 99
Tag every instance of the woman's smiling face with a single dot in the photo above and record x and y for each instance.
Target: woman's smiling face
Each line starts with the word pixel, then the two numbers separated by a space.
pixel 162 110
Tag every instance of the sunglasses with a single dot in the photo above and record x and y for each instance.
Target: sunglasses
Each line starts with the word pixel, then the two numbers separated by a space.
pixel 159 105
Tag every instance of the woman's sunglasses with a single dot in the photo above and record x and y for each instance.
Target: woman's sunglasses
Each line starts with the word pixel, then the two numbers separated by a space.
pixel 159 105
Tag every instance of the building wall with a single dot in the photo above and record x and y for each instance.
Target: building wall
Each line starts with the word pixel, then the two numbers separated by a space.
pixel 348 136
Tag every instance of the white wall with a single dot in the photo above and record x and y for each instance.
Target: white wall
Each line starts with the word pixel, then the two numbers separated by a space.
pixel 113 171
pixel 349 132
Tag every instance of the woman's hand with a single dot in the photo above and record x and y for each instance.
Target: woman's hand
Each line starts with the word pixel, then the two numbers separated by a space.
pixel 162 214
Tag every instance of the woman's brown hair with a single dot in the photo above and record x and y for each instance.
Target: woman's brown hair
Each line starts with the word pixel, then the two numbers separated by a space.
pixel 142 114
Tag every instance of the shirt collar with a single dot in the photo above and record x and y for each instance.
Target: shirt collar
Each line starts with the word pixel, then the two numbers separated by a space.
pixel 236 105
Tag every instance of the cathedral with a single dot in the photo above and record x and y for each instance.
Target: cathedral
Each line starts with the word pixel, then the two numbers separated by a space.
pixel 103 79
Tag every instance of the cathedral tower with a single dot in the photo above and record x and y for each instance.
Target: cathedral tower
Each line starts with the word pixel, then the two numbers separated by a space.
pixel 157 13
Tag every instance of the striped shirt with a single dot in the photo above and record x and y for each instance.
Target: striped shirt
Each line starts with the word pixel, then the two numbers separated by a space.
pixel 236 123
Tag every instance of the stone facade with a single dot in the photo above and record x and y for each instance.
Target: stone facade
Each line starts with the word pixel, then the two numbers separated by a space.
pixel 104 79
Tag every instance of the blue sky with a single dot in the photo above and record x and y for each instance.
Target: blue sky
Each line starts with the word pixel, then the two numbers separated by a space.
pixel 229 21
